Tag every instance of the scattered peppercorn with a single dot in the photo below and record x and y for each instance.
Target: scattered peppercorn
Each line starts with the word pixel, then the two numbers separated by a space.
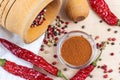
pixel 91 76
pixel 115 32
pixel 83 26
pixel 105 76
pixel 105 71
pixel 113 39
pixel 75 22
pixel 65 69
pixel 42 45
pixel 98 67
pixel 112 43
pixel 104 67
pixel 108 29
pixel 110 70
pixel 97 37
pixel 100 21
pixel 54 63
pixel 109 39
pixel 55 56
pixel 55 44
pixel 54 31
pixel 41 49
pixel 112 54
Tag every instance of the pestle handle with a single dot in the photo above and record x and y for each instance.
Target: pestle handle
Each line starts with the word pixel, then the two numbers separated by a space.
pixel 77 10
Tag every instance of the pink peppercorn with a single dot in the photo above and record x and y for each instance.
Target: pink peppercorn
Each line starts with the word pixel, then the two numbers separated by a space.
pixel 112 54
pixel 58 17
pixel 66 23
pixel 104 67
pixel 55 56
pixel 105 70
pixel 54 63
pixel 109 39
pixel 45 41
pixel 56 39
pixel 42 49
pixel 113 39
pixel 105 76
pixel 97 37
pixel 110 70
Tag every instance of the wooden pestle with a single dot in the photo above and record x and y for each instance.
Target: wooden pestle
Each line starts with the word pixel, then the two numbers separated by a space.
pixel 77 10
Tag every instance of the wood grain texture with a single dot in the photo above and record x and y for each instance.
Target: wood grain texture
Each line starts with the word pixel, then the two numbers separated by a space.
pixel 77 10
pixel 18 16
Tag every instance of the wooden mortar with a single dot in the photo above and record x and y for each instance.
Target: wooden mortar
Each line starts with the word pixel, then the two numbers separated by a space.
pixel 17 16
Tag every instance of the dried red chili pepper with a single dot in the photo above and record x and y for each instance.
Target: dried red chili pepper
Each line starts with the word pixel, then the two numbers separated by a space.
pixel 22 71
pixel 103 10
pixel 31 57
pixel 82 74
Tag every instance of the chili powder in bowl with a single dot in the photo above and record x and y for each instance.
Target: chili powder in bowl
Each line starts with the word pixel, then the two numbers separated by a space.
pixel 76 49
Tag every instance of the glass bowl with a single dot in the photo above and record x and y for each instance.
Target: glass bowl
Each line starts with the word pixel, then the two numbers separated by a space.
pixel 72 34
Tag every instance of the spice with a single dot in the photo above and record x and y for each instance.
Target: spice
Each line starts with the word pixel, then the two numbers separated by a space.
pixel 54 63
pixel 91 76
pixel 41 49
pixel 31 57
pixel 102 9
pixel 110 70
pixel 97 37
pixel 98 66
pixel 39 19
pixel 82 74
pixel 54 31
pixel 112 43
pixel 65 69
pixel 112 39
pixel 101 21
pixel 112 54
pixel 83 27
pixel 115 31
pixel 106 70
pixel 55 56
pixel 105 76
pixel 108 29
pixel 76 50
pixel 22 71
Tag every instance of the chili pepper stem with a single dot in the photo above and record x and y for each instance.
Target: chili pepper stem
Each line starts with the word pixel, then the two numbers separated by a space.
pixel 101 50
pixel 118 22
pixel 2 62
pixel 61 75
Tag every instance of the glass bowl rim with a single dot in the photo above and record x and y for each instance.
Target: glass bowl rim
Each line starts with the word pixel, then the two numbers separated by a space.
pixel 89 39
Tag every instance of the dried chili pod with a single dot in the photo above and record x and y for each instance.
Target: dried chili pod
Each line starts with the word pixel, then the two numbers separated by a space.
pixel 102 9
pixel 31 57
pixel 22 71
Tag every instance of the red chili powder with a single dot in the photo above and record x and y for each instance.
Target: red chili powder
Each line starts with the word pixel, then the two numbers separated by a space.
pixel 76 50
